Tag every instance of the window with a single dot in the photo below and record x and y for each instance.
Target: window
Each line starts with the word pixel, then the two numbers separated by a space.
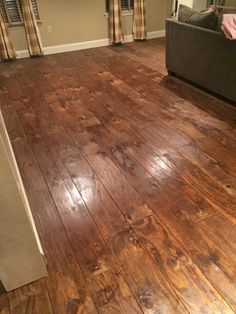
pixel 126 5
pixel 12 10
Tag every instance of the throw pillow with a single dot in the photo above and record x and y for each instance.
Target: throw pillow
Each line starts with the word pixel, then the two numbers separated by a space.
pixel 206 19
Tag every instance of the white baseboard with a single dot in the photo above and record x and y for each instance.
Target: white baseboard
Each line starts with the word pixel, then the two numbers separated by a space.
pixel 22 54
pixel 76 46
pixel 156 34
pixel 86 45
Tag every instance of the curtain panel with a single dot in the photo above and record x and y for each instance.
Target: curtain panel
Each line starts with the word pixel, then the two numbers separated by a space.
pixel 31 29
pixel 115 28
pixel 139 26
pixel 7 51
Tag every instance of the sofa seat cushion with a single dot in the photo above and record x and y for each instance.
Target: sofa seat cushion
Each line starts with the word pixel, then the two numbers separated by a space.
pixel 206 19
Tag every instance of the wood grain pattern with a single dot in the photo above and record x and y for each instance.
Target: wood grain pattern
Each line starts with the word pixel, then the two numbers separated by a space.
pixel 66 285
pixel 222 233
pixel 131 204
pixel 178 268
pixel 225 157
pixel 211 167
pixel 208 186
pixel 31 299
pixel 149 174
pixel 147 283
pixel 218 267
pixel 4 303
pixel 112 293
pixel 130 174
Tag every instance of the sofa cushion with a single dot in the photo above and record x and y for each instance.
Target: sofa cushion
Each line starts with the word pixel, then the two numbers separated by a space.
pixel 206 19
pixel 221 12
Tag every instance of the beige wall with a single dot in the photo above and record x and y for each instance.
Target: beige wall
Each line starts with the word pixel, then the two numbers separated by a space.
pixel 83 20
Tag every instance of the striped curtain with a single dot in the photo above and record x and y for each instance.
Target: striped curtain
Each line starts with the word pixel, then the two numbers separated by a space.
pixel 31 29
pixel 7 51
pixel 115 28
pixel 139 26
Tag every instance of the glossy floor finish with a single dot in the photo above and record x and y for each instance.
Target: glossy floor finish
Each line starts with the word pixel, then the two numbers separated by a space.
pixel 131 179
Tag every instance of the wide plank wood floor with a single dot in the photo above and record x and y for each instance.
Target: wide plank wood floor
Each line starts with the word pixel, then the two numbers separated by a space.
pixel 131 176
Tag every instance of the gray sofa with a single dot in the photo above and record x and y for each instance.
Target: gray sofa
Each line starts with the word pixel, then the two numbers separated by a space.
pixel 202 56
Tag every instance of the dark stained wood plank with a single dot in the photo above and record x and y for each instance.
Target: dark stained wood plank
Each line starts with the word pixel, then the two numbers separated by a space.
pixel 225 140
pixel 134 100
pixel 223 155
pixel 50 166
pixel 148 285
pixel 100 204
pixel 194 204
pixel 30 173
pixel 143 107
pixel 4 303
pixel 147 175
pixel 63 285
pixel 152 112
pixel 185 277
pixel 159 146
pixel 116 86
pixel 103 139
pixel 31 299
pixel 129 202
pixel 153 59
pixel 77 172
pixel 222 232
pixel 179 106
pixel 170 138
pixel 66 286
pixel 201 99
pixel 225 202
pixel 112 294
pixel 186 128
pixel 57 251
pixel 89 247
pixel 211 167
pixel 219 268
pixel 158 135
pixel 93 255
